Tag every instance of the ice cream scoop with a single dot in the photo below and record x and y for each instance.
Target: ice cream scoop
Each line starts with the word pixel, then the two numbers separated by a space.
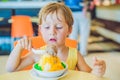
pixel 51 50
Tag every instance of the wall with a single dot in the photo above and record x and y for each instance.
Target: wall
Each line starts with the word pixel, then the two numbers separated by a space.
pixel 109 12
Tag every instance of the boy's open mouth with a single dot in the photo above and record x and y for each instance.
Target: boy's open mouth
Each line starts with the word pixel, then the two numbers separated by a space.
pixel 53 40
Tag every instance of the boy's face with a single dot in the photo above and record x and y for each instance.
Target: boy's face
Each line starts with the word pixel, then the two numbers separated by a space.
pixel 54 29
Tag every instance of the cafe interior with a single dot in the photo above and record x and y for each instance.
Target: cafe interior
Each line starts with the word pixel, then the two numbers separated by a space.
pixel 104 33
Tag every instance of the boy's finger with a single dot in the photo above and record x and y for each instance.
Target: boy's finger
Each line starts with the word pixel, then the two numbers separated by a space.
pixel 26 43
pixel 29 46
pixel 22 43
pixel 97 62
pixel 94 58
pixel 94 61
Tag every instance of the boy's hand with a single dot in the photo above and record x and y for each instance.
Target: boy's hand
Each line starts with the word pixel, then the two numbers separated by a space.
pixel 99 67
pixel 25 43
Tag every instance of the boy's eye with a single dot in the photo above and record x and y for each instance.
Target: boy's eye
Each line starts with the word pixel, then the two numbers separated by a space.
pixel 46 27
pixel 59 27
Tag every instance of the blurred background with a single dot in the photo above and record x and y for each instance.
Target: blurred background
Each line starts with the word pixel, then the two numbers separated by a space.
pixel 103 40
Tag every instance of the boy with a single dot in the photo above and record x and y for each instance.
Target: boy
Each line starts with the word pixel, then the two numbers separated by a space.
pixel 55 24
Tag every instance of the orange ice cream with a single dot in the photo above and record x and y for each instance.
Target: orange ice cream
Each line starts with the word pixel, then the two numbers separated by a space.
pixel 49 61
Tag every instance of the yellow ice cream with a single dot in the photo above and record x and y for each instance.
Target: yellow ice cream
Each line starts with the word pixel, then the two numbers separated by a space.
pixel 50 62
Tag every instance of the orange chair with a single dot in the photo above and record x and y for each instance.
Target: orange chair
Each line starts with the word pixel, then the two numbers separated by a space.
pixel 21 26
pixel 38 42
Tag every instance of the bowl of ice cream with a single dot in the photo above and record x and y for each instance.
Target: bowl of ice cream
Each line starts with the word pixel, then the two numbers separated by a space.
pixel 50 74
pixel 50 65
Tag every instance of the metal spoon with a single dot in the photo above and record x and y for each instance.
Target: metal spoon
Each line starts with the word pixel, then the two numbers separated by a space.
pixel 35 51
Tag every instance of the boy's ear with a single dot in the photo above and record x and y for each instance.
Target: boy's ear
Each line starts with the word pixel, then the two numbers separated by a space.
pixel 70 30
pixel 39 30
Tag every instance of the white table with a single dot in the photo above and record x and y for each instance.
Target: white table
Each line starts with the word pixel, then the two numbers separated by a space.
pixel 71 75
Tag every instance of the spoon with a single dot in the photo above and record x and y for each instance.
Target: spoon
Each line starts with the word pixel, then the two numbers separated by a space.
pixel 35 51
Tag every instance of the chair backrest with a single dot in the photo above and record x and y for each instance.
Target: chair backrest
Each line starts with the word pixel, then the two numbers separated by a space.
pixel 38 42
pixel 21 26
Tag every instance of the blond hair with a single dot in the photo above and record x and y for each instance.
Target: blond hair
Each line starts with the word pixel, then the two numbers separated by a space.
pixel 56 7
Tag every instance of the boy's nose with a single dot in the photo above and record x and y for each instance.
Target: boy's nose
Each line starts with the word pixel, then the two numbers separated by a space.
pixel 52 31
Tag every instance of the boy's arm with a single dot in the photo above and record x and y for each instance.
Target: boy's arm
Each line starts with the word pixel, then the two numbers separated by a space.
pixel 15 61
pixel 82 65
pixel 26 61
pixel 99 66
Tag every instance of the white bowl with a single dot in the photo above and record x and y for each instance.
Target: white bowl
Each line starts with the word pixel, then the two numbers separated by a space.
pixel 51 74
